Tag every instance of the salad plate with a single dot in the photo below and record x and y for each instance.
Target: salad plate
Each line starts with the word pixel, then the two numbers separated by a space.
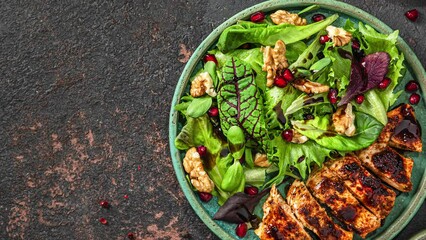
pixel 406 204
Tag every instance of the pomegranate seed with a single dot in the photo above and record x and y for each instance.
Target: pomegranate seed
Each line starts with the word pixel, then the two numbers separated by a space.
pixel 412 86
pixel 318 17
pixel 210 57
pixel 131 236
pixel 204 196
pixel 332 95
pixel 241 230
pixel 412 15
pixel 257 17
pixel 251 190
pixel 324 38
pixel 126 196
pixel 288 75
pixel 213 112
pixel 359 99
pixel 280 82
pixel 355 44
pixel 104 204
pixel 202 150
pixel 103 221
pixel 384 83
pixel 414 98
pixel 287 135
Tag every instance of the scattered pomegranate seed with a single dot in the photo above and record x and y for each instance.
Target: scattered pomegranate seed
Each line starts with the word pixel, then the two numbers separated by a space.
pixel 241 230
pixel 257 17
pixel 332 95
pixel 126 196
pixel 210 57
pixel 213 112
pixel 324 38
pixel 280 82
pixel 204 196
pixel 412 86
pixel 384 83
pixel 359 99
pixel 103 221
pixel 251 190
pixel 130 235
pixel 202 150
pixel 318 17
pixel 414 98
pixel 355 44
pixel 288 75
pixel 412 15
pixel 104 204
pixel 287 135
pixel 139 167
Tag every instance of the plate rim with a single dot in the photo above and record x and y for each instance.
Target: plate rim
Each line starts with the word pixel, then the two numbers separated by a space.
pixel 337 6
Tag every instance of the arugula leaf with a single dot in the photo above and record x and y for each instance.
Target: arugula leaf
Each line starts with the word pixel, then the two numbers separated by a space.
pixel 237 35
pixel 305 100
pixel 367 131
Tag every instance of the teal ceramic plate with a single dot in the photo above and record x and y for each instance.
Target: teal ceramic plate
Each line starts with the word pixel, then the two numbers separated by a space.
pixel 406 204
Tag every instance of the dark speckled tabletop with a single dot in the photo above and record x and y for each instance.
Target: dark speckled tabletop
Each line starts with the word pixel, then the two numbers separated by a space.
pixel 85 94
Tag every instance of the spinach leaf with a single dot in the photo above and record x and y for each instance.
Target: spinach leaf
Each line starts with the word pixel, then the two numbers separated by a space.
pixel 236 35
pixel 240 102
pixel 199 106
pixel 318 129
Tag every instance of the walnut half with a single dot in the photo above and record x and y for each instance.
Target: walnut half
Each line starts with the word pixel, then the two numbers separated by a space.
pixel 194 167
pixel 274 60
pixel 344 120
pixel 308 87
pixel 282 16
pixel 261 160
pixel 339 36
pixel 201 85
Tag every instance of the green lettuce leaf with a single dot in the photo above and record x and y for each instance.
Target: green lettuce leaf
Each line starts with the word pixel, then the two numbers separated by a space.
pixel 240 103
pixel 338 76
pixel 277 100
pixel 318 129
pixel 237 35
pixel 300 156
pixel 371 42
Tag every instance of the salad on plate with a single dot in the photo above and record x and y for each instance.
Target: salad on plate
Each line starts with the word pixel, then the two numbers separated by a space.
pixel 282 99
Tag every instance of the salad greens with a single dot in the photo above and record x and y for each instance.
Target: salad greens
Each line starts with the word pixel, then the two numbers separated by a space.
pixel 245 142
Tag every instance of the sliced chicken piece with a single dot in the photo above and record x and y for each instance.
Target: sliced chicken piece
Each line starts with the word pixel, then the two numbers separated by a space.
pixel 329 190
pixel 368 189
pixel 388 165
pixel 278 221
pixel 312 215
pixel 406 133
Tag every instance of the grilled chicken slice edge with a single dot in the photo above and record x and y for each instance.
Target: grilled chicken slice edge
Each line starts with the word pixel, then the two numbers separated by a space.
pixel 312 215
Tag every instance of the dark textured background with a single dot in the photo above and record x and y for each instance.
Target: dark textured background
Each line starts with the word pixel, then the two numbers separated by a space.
pixel 84 100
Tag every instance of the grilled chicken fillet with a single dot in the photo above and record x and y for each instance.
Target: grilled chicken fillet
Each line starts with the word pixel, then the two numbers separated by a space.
pixel 388 165
pixel 368 189
pixel 405 129
pixel 278 221
pixel 329 190
pixel 312 215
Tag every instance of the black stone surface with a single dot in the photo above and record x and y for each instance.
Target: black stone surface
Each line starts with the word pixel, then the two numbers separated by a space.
pixel 85 94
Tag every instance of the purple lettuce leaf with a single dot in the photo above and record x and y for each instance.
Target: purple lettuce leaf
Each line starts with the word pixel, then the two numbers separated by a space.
pixel 366 75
